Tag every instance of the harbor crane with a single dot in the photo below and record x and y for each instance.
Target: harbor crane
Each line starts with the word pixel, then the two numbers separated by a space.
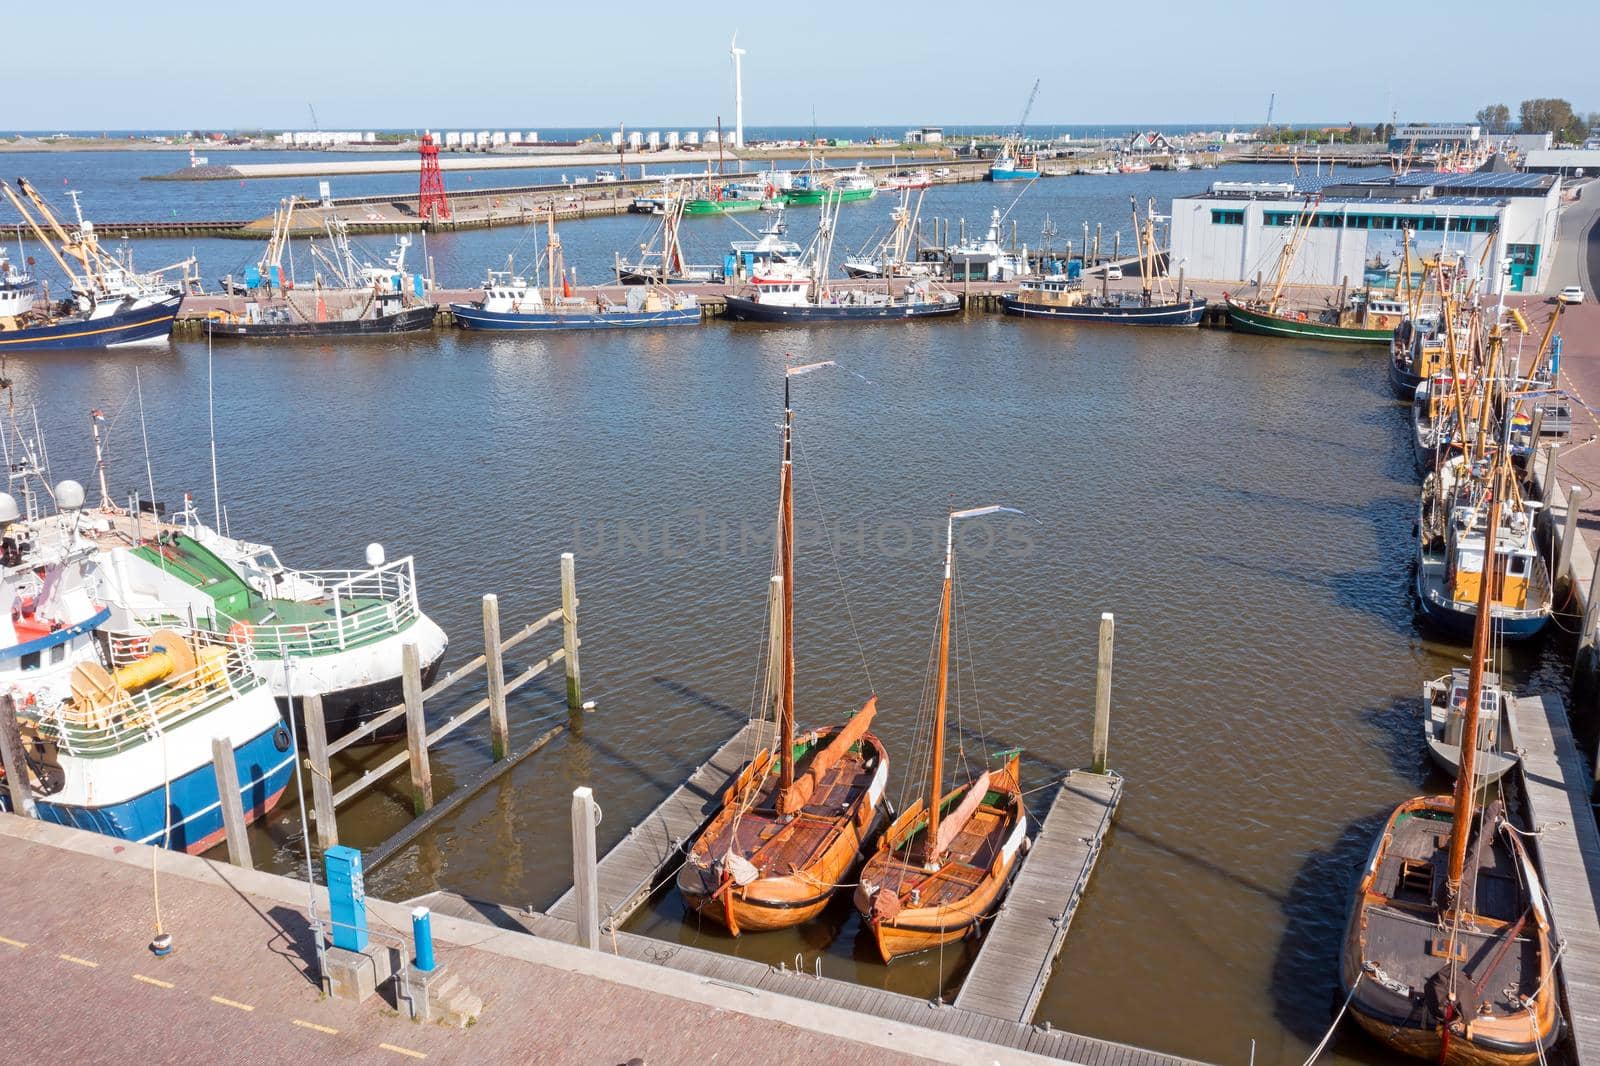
pixel 1022 124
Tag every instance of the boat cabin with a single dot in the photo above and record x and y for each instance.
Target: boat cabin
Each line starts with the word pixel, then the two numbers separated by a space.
pixel 1522 579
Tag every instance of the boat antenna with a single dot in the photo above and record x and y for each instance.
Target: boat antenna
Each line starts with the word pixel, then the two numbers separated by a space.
pixel 144 432
pixel 211 410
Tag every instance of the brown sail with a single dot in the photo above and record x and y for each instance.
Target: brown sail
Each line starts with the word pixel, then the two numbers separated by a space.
pixel 943 864
pixel 791 828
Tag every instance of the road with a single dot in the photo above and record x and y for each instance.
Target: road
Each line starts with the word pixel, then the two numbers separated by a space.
pixel 1577 252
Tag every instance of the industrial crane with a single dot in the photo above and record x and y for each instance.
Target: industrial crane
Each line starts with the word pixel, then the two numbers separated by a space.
pixel 1016 135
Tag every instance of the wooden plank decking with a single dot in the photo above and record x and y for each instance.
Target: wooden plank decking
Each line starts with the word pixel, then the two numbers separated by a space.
pixel 727 969
pixel 1557 784
pixel 1019 951
pixel 629 871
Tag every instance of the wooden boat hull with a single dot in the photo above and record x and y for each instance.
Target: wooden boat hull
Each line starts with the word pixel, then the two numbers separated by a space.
pixel 1246 320
pixel 1395 1013
pixel 905 929
pixel 782 901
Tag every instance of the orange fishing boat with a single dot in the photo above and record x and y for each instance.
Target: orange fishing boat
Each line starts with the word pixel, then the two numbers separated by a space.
pixel 943 865
pixel 791 827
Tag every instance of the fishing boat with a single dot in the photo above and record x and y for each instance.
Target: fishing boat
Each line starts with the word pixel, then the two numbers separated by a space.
pixel 117 734
pixel 510 303
pixel 987 259
pixel 662 261
pixel 893 257
pixel 1458 522
pixel 908 179
pixel 1014 162
pixel 942 866
pixel 1442 416
pixel 771 247
pixel 1182 162
pixel 1447 955
pixel 1129 165
pixel 1158 303
pixel 800 292
pixel 811 189
pixel 1099 169
pixel 790 828
pixel 348 297
pixel 1444 702
pixel 720 197
pixel 1357 317
pixel 109 304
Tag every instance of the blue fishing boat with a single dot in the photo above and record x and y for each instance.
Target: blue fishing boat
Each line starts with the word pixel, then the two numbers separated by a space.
pixel 510 303
pixel 109 306
pixel 117 730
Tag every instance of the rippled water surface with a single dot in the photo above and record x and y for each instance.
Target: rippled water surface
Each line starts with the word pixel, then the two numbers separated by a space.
pixel 1243 506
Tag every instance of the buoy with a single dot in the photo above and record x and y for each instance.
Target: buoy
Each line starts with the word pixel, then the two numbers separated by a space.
pixel 161 946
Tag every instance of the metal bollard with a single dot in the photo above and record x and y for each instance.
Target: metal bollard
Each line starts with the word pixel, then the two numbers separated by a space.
pixel 422 934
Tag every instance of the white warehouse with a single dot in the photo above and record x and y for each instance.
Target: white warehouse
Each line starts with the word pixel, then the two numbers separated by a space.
pixel 1236 229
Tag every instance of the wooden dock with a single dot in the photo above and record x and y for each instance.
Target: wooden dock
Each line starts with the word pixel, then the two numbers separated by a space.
pixel 717 968
pixel 629 871
pixel 1557 784
pixel 1020 949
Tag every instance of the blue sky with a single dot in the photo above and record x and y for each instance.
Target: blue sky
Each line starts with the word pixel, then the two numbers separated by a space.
pixel 535 64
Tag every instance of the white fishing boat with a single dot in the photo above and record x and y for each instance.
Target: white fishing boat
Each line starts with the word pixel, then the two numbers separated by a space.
pixel 986 259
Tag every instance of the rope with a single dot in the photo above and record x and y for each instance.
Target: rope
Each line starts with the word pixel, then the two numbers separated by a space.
pixel 1323 1044
pixel 833 554
pixel 166 831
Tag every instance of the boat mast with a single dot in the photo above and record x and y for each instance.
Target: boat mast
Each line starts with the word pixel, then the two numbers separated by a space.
pixel 786 566
pixel 1465 791
pixel 941 691
pixel 1302 223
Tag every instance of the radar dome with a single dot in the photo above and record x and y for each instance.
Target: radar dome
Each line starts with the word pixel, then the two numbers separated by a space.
pixel 69 495
pixel 8 508
pixel 375 554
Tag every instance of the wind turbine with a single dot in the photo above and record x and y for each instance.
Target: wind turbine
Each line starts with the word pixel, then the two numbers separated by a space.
pixel 738 91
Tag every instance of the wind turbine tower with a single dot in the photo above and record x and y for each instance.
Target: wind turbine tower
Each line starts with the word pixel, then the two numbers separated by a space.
pixel 738 92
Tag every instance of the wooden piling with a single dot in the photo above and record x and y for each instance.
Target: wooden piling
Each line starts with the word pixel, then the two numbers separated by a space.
pixel 227 773
pixel 585 867
pixel 1569 530
pixel 11 758
pixel 1591 613
pixel 1102 693
pixel 416 732
pixel 569 630
pixel 494 669
pixel 321 777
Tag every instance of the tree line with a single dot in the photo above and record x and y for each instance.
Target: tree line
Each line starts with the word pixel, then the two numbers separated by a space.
pixel 1545 115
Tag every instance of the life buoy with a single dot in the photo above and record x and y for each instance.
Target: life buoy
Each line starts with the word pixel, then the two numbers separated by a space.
pixel 1302 316
pixel 241 634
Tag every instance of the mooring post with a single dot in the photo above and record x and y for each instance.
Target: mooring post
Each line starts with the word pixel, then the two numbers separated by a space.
pixel 569 630
pixel 1102 693
pixel 585 867
pixel 321 776
pixel 1569 530
pixel 12 760
pixel 416 732
pixel 494 668
pixel 227 773
pixel 1591 612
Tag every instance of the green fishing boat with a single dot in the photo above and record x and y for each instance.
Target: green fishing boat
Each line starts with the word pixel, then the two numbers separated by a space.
pixel 733 198
pixel 1358 317
pixel 845 189
pixel 1360 321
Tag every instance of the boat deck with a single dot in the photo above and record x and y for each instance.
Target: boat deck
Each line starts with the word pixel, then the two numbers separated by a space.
pixel 726 969
pixel 632 868
pixel 1019 951
pixel 1557 785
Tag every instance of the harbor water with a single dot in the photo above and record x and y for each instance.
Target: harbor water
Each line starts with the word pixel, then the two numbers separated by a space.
pixel 1243 506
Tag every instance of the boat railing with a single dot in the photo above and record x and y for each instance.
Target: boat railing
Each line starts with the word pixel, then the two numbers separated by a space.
pixel 367 605
pixel 115 718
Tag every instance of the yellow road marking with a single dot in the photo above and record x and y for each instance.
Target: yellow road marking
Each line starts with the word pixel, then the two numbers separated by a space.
pixel 319 1028
pixel 403 1051
pixel 231 1003
pixel 80 962
pixel 13 943
pixel 152 981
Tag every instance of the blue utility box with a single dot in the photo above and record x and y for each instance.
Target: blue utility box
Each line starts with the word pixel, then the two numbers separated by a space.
pixel 347 897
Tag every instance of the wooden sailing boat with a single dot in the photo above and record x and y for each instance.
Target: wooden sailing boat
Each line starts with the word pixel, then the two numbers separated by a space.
pixel 1444 958
pixel 791 826
pixel 941 868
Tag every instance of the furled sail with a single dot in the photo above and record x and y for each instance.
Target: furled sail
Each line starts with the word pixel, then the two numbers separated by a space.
pixel 958 818
pixel 799 794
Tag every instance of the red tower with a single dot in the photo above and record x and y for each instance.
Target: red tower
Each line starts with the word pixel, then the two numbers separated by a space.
pixel 431 201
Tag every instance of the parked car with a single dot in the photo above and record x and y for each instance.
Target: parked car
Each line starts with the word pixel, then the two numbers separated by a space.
pixel 1113 273
pixel 1572 294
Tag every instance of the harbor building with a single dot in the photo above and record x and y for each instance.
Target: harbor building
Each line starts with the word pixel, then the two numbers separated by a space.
pixel 1430 136
pixel 1236 229
pixel 925 135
